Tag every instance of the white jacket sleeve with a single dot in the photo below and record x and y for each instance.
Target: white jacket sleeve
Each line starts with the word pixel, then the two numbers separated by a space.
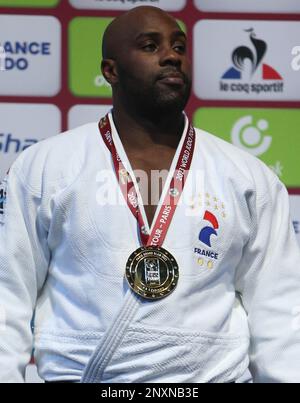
pixel 268 280
pixel 23 266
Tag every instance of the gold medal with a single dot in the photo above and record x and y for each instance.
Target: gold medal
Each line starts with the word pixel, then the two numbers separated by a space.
pixel 152 272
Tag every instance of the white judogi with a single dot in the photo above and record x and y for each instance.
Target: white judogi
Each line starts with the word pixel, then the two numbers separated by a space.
pixel 64 252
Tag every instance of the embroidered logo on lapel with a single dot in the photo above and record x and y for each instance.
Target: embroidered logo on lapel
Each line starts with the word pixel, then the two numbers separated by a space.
pixel 213 217
pixel 207 232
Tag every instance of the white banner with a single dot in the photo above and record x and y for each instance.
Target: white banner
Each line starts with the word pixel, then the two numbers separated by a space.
pixel 82 114
pixel 30 62
pixel 246 60
pixel 169 5
pixel 253 6
pixel 23 125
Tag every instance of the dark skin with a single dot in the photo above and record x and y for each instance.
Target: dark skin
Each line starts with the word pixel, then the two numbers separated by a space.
pixel 145 61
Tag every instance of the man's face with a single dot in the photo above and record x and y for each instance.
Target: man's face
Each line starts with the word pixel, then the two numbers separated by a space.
pixel 153 69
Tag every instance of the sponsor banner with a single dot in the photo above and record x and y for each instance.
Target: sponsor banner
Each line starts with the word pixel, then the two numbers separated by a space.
pixel 295 213
pixel 169 5
pixel 29 3
pixel 269 134
pixel 252 6
pixel 82 114
pixel 85 35
pixel 30 55
pixel 246 60
pixel 23 125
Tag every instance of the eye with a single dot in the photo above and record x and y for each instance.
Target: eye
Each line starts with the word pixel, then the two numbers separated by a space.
pixel 180 48
pixel 149 47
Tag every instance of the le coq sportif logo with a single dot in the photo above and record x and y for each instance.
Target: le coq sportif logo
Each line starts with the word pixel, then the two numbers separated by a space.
pixel 243 54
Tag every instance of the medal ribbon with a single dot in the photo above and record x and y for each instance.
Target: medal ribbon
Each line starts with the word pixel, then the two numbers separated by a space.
pixel 169 205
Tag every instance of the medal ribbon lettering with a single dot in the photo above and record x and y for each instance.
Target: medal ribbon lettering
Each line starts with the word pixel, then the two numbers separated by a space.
pixel 169 205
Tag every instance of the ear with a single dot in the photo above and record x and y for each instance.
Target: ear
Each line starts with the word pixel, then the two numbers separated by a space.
pixel 109 71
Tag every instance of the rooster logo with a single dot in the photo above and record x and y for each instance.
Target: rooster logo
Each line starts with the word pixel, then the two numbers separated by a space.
pixel 243 53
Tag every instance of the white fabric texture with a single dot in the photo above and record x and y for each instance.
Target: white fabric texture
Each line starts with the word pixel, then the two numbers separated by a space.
pixel 64 253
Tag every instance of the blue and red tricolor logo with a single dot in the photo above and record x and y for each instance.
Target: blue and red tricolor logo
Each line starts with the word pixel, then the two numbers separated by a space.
pixel 207 232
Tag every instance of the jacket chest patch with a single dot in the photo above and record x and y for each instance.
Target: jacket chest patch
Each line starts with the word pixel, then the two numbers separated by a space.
pixel 211 222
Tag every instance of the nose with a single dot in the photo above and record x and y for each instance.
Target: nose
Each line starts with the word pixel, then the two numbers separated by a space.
pixel 169 57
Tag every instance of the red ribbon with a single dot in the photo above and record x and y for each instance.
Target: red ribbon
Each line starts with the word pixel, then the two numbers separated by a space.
pixel 169 205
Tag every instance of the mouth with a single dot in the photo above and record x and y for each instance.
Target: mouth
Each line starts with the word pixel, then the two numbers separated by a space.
pixel 172 78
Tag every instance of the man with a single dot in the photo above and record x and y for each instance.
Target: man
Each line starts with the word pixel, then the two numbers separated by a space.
pixel 207 291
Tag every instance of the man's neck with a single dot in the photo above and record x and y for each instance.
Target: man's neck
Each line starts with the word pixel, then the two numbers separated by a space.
pixel 137 132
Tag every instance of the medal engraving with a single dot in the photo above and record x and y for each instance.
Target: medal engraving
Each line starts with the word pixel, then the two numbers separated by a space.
pixel 152 272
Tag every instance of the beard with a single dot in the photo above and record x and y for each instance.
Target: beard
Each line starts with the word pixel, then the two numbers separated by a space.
pixel 152 98
pixel 170 99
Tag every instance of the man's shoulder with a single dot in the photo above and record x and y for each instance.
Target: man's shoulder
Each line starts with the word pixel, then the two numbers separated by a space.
pixel 224 147
pixel 226 150
pixel 55 158
pixel 235 161
pixel 63 143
